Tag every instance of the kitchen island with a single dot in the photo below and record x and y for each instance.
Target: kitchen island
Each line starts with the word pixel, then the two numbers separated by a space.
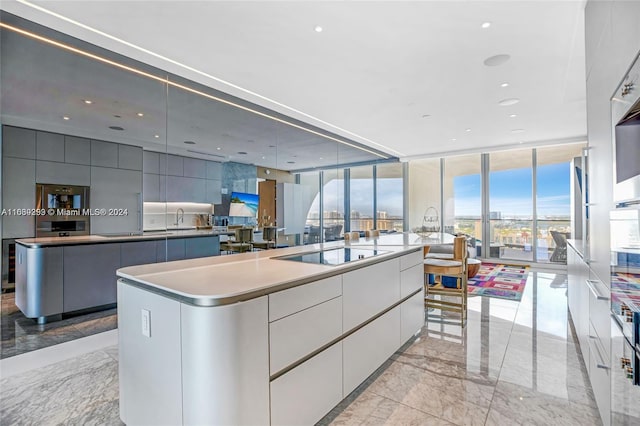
pixel 57 275
pixel 273 337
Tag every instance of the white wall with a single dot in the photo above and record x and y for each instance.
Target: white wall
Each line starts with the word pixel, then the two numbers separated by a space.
pixel 612 31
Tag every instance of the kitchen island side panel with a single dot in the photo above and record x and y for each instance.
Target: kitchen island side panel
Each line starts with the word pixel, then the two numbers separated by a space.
pixel 225 363
pixel 150 371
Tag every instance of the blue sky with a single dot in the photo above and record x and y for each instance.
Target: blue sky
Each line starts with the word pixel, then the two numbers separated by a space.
pixel 511 192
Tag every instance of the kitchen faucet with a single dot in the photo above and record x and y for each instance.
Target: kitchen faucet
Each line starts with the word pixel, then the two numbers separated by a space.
pixel 179 216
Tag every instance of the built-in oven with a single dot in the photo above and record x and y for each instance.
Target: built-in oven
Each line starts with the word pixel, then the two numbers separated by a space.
pixel 66 210
pixel 625 115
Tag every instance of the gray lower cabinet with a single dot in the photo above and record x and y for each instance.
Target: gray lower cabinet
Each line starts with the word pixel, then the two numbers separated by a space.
pixel 202 247
pixel 170 249
pixel 90 275
pixel 138 253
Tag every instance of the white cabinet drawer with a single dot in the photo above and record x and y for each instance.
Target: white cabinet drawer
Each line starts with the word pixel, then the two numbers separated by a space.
pixel 369 291
pixel 600 373
pixel 411 279
pixel 306 393
pixel 412 316
pixel 599 310
pixel 368 348
pixel 410 260
pixel 297 335
pixel 296 299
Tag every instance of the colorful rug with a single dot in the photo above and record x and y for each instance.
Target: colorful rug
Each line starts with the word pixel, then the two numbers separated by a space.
pixel 499 280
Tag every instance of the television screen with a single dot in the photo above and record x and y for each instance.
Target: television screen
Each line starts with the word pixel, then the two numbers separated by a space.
pixel 243 204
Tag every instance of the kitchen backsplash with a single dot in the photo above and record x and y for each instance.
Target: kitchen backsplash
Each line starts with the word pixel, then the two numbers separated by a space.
pixel 163 215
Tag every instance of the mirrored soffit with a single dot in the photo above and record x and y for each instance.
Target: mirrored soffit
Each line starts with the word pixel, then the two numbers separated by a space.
pixel 47 76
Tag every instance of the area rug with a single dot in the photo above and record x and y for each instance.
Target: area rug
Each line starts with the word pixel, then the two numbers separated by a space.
pixel 499 280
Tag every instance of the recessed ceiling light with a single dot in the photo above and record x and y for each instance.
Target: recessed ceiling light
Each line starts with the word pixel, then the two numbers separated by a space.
pixel 508 101
pixel 218 148
pixel 496 60
pixel 513 115
pixel 156 136
pixel 242 153
pixel 291 162
pixel 454 139
pixel 321 158
pixel 517 131
pixel 116 128
pixel 66 118
pixel 505 84
pixel 263 157
pixel 140 114
pixel 467 130
pixel 117 116
pixel 486 24
pixel 87 101
pixel 318 29
pixel 190 142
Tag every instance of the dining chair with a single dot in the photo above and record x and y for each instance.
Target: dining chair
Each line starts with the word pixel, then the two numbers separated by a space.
pixel 440 295
pixel 269 235
pixel 352 236
pixel 242 242
pixel 370 233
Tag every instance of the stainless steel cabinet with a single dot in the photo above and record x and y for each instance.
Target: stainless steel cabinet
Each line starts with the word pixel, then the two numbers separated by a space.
pixel 49 146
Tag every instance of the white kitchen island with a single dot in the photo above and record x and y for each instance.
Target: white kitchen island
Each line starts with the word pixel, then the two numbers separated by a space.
pixel 256 339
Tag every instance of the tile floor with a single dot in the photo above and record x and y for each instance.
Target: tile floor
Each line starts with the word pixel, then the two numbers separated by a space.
pixel 514 363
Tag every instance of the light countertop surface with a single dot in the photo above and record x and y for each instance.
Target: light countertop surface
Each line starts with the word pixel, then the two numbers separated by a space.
pixel 117 238
pixel 229 279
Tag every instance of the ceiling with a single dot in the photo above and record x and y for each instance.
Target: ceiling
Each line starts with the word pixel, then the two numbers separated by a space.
pixel 407 78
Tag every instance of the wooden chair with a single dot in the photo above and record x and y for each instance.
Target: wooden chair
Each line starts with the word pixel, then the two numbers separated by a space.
pixel 243 241
pixel 445 297
pixel 269 236
pixel 371 233
pixel 352 236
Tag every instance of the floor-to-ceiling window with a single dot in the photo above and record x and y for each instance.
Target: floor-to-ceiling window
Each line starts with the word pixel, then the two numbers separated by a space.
pixel 389 197
pixel 424 190
pixel 553 203
pixel 361 198
pixel 511 231
pixel 462 190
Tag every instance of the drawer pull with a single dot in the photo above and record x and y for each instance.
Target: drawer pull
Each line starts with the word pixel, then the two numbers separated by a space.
pixel 591 284
pixel 600 361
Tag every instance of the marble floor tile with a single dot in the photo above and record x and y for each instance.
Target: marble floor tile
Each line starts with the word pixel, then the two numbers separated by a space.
pixel 513 404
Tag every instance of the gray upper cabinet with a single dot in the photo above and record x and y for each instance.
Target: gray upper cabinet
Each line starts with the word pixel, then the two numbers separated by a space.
pixel 17 142
pixel 116 189
pixel 184 189
pixel 18 192
pixel 50 146
pixel 104 154
pixel 213 191
pixel 214 170
pixel 175 165
pixel 194 168
pixel 151 187
pixel 77 150
pixel 151 162
pixel 129 157
pixel 62 173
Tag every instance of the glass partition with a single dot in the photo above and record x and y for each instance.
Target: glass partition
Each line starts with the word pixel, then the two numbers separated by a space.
pixel 361 198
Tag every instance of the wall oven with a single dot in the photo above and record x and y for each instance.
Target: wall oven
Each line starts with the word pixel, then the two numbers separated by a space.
pixel 67 210
pixel 625 115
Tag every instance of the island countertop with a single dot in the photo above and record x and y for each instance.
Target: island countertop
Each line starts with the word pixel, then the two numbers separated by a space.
pixel 229 279
pixel 117 238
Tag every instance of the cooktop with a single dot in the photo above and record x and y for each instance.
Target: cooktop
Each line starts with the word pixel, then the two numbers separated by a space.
pixel 335 256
